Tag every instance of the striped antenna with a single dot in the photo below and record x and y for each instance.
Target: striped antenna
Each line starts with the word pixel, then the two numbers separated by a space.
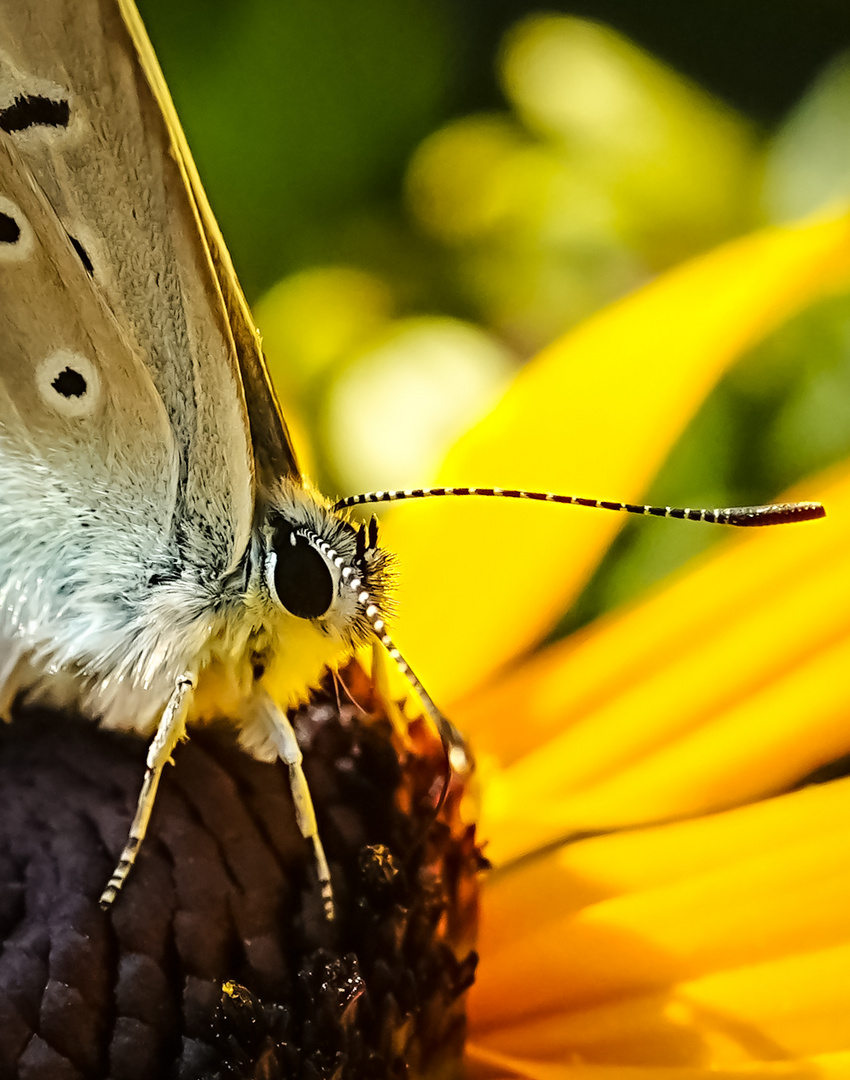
pixel 742 516
pixel 459 757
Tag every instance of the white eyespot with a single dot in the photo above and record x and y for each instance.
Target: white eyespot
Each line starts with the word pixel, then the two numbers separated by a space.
pixel 69 384
pixel 16 235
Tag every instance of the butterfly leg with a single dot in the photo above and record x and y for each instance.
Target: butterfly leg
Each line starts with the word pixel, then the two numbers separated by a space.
pixel 283 736
pixel 171 729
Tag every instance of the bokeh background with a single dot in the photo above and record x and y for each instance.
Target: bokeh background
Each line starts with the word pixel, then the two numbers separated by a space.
pixel 420 194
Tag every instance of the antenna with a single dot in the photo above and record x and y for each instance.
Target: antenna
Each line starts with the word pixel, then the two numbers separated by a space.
pixel 459 757
pixel 742 516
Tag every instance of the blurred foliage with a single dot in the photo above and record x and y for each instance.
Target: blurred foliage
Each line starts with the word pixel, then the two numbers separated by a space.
pixel 412 222
pixel 300 113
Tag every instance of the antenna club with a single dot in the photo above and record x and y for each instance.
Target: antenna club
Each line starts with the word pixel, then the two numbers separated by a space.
pixel 778 514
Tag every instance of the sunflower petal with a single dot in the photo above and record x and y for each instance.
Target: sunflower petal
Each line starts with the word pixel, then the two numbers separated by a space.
pixel 723 940
pixel 598 409
pixel 486 1064
pixel 764 1012
pixel 726 685
pixel 571 877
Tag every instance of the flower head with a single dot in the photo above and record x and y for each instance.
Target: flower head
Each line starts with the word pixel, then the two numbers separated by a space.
pixel 661 896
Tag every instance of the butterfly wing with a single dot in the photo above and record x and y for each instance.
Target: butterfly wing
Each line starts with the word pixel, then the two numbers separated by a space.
pixel 113 278
pixel 88 460
pixel 273 451
pixel 86 121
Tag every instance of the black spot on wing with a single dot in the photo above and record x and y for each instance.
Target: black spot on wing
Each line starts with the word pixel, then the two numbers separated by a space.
pixel 10 230
pixel 34 110
pixel 84 256
pixel 70 383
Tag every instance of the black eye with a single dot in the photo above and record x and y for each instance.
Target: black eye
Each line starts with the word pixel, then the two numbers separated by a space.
pixel 301 576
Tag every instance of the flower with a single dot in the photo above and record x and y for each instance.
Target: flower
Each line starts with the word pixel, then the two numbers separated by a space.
pixel 665 895
pixel 701 923
pixel 219 961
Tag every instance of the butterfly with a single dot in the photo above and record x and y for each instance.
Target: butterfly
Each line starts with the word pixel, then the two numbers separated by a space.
pixel 164 561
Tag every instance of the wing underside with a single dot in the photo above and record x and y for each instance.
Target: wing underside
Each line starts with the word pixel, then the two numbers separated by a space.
pixel 94 126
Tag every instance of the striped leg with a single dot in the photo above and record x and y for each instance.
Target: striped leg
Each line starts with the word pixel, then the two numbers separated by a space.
pixel 171 729
pixel 283 736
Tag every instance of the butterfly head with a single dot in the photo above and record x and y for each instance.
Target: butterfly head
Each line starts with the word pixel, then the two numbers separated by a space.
pixel 326 581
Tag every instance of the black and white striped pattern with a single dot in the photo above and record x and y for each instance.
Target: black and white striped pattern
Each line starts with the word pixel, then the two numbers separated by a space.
pixel 453 741
pixel 744 516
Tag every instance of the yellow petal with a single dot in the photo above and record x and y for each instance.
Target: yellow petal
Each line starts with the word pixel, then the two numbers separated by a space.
pixel 595 414
pixel 727 684
pixel 570 877
pixel 486 1064
pixel 775 903
pixel 783 1010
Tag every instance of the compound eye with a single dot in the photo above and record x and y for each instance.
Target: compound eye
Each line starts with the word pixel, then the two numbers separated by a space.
pixel 302 579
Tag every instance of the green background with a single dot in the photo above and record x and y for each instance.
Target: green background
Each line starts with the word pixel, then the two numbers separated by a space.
pixel 303 116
